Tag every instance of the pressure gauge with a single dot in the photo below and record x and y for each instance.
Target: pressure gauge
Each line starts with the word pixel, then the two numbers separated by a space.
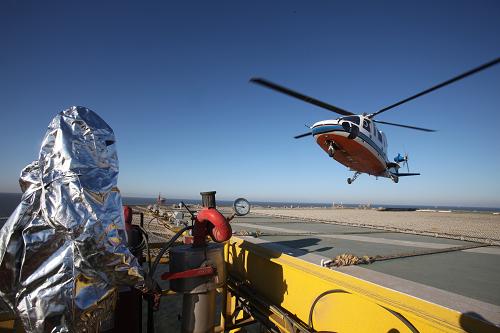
pixel 241 206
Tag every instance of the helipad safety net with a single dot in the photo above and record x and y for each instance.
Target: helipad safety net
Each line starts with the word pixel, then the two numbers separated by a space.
pixel 63 251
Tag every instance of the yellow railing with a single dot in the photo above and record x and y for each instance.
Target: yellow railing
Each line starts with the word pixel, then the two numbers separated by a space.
pixel 294 295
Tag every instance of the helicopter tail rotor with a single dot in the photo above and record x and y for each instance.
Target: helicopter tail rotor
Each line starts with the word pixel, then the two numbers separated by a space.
pixel 403 160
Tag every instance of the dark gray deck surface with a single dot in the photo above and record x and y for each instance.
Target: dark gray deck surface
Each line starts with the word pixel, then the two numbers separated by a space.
pixel 473 275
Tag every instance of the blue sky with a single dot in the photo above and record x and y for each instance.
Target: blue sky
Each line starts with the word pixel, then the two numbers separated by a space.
pixel 172 81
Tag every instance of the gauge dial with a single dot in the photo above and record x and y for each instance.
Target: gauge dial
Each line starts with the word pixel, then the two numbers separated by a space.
pixel 241 206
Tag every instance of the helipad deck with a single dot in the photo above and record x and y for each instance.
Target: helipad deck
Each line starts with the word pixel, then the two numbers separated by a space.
pixel 464 280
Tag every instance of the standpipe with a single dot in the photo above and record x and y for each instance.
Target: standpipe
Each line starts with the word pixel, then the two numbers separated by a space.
pixel 197 270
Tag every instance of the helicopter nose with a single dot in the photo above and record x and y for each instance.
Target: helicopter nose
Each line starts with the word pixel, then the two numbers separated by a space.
pixel 352 129
pixel 347 126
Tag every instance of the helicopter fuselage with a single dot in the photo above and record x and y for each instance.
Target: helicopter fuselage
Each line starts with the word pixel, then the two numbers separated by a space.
pixel 355 142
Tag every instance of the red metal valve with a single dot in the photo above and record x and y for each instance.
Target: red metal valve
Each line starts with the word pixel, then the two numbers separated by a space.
pixel 195 272
pixel 210 221
pixel 127 214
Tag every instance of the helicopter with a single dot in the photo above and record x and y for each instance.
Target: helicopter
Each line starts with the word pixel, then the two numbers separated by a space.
pixel 354 139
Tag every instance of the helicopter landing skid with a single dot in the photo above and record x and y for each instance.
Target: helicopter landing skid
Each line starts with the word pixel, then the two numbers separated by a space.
pixel 351 180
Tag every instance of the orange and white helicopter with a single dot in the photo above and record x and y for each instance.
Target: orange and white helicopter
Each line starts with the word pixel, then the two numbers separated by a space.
pixel 354 140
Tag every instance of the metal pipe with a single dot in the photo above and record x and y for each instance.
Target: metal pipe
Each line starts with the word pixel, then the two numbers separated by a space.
pixel 199 301
pixel 198 312
pixel 199 291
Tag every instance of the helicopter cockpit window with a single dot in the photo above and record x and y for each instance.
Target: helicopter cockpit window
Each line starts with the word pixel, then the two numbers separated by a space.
pixel 352 119
pixel 366 125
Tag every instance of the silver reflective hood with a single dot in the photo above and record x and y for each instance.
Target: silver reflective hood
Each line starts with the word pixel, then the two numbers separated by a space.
pixel 63 251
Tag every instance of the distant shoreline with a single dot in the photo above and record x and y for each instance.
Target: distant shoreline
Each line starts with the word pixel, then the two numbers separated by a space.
pixel 9 201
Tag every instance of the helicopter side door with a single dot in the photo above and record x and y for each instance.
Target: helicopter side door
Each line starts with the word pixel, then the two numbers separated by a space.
pixel 367 127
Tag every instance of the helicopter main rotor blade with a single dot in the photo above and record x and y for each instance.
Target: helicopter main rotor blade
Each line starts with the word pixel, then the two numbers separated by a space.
pixel 300 96
pixel 405 126
pixel 445 83
pixel 302 135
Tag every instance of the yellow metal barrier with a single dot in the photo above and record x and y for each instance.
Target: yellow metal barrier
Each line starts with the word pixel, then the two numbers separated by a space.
pixel 9 324
pixel 297 296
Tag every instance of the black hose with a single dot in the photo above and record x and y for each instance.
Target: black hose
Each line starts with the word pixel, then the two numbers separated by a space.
pixel 145 243
pixel 331 291
pixel 166 247
pixel 152 269
pixel 154 218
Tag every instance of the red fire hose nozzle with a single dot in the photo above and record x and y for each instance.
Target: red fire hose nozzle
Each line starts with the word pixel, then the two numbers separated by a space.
pixel 210 221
